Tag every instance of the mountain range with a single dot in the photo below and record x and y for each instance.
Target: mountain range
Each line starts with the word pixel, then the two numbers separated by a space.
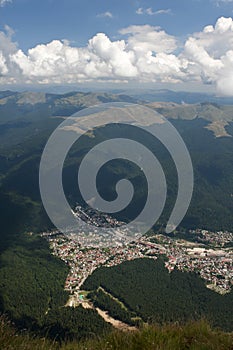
pixel 27 119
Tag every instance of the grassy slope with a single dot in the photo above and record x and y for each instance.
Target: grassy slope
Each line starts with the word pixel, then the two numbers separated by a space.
pixel 196 336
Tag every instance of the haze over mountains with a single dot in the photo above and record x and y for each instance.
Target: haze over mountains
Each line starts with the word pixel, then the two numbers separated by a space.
pixel 129 246
pixel 27 119
pixel 31 107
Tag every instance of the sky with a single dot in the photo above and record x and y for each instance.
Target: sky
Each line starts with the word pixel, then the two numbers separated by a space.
pixel 171 43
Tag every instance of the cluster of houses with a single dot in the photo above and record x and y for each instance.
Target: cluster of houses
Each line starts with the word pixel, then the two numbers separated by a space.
pixel 213 262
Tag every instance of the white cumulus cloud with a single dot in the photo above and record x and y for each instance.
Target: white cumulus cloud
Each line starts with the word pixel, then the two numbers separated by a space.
pixel 144 54
pixel 148 38
pixel 210 54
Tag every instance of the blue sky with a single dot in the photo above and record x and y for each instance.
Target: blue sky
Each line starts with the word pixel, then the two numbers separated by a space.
pixel 60 41
pixel 37 22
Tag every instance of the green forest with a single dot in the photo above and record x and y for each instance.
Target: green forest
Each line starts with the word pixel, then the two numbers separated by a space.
pixel 114 308
pixel 32 293
pixel 211 205
pixel 147 288
pixel 32 280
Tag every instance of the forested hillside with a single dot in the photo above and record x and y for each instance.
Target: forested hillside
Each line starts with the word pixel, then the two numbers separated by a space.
pixel 32 281
pixel 27 120
pixel 147 289
pixel 32 292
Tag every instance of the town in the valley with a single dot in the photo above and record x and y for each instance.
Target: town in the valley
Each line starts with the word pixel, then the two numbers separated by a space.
pixel 209 254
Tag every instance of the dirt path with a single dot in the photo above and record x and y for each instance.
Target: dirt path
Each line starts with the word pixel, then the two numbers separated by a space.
pixel 86 305
pixel 74 302
pixel 115 323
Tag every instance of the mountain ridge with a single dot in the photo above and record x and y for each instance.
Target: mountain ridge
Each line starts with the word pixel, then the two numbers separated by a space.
pixel 41 105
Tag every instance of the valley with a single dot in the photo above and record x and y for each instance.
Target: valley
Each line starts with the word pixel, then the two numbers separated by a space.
pixel 132 283
pixel 214 264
